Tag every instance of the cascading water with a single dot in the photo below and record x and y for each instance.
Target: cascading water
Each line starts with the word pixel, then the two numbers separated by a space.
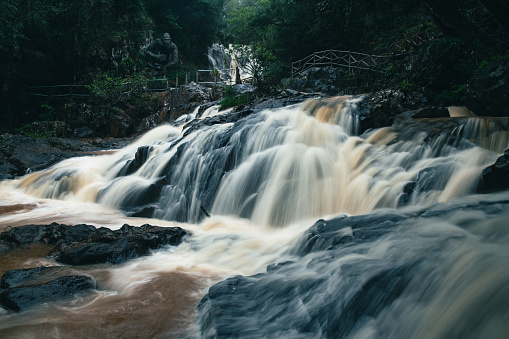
pixel 407 249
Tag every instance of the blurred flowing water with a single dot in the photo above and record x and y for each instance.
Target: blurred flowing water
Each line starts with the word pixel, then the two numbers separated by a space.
pixel 315 231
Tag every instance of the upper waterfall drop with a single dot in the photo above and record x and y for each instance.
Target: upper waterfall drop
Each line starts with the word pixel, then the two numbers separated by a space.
pixel 218 58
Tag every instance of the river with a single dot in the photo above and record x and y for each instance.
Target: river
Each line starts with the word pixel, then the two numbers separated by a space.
pixel 314 231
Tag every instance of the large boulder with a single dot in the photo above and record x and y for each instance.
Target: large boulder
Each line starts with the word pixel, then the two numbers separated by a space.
pixel 496 177
pixel 20 154
pixel 117 246
pixel 84 244
pixel 22 297
pixel 177 102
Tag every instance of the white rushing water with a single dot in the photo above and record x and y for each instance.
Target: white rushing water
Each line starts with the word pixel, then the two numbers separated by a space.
pixel 266 179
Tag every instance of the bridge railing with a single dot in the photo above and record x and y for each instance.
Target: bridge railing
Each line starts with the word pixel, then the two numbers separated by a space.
pixel 343 59
pixel 354 60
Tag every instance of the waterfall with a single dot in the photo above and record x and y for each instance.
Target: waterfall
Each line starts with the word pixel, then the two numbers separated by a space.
pixel 220 60
pixel 261 166
pixel 316 230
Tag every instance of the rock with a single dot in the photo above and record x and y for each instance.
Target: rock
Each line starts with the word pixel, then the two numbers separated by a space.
pixel 343 278
pixel 326 80
pixel 20 298
pixel 380 109
pixel 20 155
pixel 140 157
pixel 93 253
pixel 84 244
pixel 496 177
pixel 33 276
pixel 431 112
pixel 49 234
pixel 288 297
pixel 129 242
pixel 83 132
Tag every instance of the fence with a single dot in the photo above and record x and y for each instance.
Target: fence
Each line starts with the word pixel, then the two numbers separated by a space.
pixel 353 60
pixel 343 59
pixel 223 76
pixel 60 91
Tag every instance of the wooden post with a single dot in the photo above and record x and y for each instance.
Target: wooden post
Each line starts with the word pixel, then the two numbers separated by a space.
pixel 237 75
pixel 186 78
pixel 196 76
pixel 349 68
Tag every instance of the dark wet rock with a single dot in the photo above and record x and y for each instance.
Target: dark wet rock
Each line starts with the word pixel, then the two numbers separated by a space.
pixel 140 158
pixel 380 109
pixel 49 234
pixel 83 132
pixel 84 244
pixel 33 276
pixel 177 102
pixel 234 116
pixel 244 88
pixel 324 80
pixel 344 275
pixel 324 235
pixel 496 177
pixel 20 155
pixel 124 244
pixel 279 101
pixel 93 253
pixel 20 298
pixel 405 197
pixel 283 301
pixel 431 112
pixel 118 246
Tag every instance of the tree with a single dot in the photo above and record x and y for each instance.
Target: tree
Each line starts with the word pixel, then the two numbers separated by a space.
pixel 193 24
pixel 10 36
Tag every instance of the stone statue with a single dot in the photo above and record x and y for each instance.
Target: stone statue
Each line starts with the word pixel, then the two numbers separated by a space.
pixel 162 53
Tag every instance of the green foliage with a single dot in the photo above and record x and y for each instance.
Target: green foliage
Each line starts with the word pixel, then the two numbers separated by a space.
pixel 108 87
pixel 126 67
pixel 193 24
pixel 47 112
pixel 458 93
pixel 29 131
pixel 231 99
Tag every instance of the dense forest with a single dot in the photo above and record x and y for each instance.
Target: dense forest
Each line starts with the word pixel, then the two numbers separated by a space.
pixel 45 42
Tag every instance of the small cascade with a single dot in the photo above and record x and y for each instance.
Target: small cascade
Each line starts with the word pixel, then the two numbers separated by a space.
pixel 340 111
pixel 489 133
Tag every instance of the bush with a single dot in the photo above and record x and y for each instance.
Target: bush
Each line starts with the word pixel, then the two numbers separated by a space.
pixel 231 99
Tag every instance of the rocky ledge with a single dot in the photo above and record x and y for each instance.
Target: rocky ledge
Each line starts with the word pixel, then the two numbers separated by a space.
pixel 23 288
pixel 74 245
pixel 84 244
